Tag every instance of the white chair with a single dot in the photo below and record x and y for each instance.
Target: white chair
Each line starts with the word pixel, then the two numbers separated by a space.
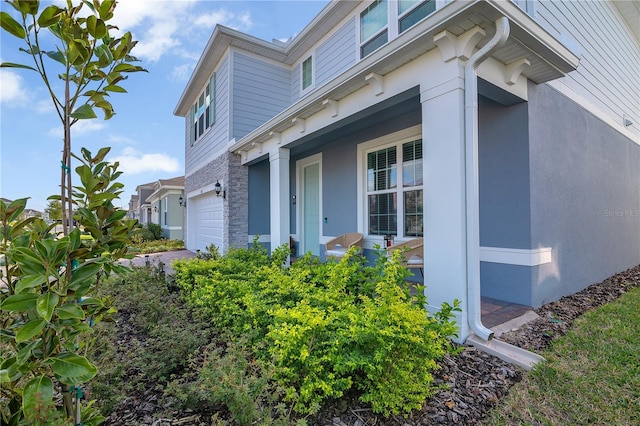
pixel 337 247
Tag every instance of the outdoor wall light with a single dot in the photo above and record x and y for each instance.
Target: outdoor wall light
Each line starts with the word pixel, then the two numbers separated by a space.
pixel 218 189
pixel 182 201
pixel 155 208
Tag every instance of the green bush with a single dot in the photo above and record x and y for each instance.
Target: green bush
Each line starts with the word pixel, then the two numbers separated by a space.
pixel 325 328
pixel 155 229
pixel 140 235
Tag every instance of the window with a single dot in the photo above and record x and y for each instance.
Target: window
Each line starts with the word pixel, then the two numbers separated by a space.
pixel 307 73
pixel 165 204
pixel 373 27
pixel 410 12
pixel 203 113
pixel 394 202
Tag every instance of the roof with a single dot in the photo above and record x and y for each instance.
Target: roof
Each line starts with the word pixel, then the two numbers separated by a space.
pixel 176 181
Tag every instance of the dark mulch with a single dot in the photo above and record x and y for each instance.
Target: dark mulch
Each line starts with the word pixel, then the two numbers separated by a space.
pixel 472 381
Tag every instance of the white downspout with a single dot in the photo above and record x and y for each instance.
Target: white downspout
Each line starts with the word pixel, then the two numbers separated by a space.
pixel 472 187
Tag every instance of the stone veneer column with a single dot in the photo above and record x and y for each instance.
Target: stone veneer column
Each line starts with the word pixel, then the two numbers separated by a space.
pixel 236 209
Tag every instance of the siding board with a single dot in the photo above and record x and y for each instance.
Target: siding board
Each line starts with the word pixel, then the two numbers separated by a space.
pixel 336 54
pixel 260 91
pixel 608 72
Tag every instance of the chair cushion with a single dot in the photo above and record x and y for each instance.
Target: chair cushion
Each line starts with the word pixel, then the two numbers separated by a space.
pixel 338 251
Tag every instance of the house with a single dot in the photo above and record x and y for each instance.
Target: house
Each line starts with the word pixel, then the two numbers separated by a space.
pixel 143 209
pixel 506 133
pixel 134 203
pixel 167 205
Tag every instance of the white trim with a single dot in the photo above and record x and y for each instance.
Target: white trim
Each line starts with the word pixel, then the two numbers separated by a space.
pixel 201 191
pixel 261 238
pixel 521 257
pixel 172 228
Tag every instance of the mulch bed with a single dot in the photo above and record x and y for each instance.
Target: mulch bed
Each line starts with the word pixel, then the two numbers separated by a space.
pixel 472 381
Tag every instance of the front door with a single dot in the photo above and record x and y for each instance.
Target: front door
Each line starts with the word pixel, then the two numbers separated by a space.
pixel 310 209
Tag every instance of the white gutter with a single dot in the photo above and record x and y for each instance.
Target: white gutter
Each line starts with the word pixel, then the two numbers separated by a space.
pixel 472 187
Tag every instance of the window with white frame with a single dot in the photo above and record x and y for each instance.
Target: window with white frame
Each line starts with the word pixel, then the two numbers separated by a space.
pixel 373 27
pixel 307 73
pixel 410 12
pixel 394 190
pixel 203 112
pixel 165 202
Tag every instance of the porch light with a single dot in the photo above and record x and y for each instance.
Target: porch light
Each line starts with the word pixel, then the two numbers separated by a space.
pixel 155 208
pixel 182 202
pixel 218 189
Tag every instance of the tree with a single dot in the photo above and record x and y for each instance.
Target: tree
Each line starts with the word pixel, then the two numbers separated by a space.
pixel 90 62
pixel 54 209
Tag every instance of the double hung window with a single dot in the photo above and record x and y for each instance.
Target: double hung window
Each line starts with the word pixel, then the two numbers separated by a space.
pixel 410 12
pixel 394 190
pixel 203 112
pixel 374 30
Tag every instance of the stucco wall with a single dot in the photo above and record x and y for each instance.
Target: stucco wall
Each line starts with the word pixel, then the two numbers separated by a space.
pixel 585 195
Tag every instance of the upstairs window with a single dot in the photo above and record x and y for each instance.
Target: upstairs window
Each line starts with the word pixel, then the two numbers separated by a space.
pixel 307 73
pixel 203 112
pixel 410 12
pixel 373 27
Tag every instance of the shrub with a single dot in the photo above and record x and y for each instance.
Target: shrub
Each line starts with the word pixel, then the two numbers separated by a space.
pixel 155 229
pixel 140 235
pixel 326 328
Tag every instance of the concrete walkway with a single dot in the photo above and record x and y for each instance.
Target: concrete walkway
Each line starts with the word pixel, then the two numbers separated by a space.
pixel 165 257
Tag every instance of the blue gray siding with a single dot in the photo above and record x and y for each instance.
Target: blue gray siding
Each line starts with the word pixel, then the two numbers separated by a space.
pixel 336 54
pixel 585 195
pixel 214 141
pixel 260 91
pixel 259 193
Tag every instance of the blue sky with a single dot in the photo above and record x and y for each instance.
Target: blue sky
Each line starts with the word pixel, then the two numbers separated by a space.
pixel 144 135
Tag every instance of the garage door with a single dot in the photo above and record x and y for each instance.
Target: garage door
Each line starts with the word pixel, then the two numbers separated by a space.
pixel 205 222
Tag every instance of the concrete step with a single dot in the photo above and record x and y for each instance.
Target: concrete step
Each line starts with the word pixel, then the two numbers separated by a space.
pixel 506 352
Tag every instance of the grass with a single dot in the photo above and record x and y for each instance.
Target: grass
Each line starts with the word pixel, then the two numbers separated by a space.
pixel 156 246
pixel 591 377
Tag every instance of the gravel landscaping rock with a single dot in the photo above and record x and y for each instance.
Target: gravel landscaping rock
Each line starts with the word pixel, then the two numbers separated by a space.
pixel 471 382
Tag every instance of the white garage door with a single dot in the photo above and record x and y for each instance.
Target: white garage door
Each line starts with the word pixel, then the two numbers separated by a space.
pixel 205 222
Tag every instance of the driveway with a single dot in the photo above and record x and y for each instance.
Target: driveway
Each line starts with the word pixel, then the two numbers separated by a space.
pixel 155 258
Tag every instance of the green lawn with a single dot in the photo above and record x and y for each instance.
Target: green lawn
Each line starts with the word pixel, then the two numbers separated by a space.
pixel 591 377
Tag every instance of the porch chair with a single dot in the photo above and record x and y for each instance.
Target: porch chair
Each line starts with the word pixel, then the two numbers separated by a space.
pixel 413 252
pixel 337 247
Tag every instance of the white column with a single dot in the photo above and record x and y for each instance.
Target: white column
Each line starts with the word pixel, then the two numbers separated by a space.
pixel 279 200
pixel 445 268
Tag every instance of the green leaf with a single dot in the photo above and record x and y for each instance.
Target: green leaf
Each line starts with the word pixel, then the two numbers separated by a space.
pixel 25 352
pixel 73 369
pixel 30 329
pixel 84 112
pixel 9 370
pixel 12 65
pixel 102 153
pixel 114 88
pixel 96 27
pixel 30 281
pixel 70 311
pixel 37 392
pixel 15 209
pixel 28 261
pixel 105 10
pixel 11 26
pixel 29 7
pixel 19 302
pixel 46 304
pixel 87 271
pixel 49 16
pixel 57 56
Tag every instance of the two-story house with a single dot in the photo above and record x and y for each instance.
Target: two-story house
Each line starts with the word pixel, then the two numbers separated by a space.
pixel 167 205
pixel 506 133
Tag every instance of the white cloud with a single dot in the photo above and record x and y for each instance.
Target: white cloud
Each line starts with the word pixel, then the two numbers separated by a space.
pixel 44 106
pixel 133 161
pixel 82 127
pixel 120 140
pixel 181 72
pixel 12 91
pixel 237 21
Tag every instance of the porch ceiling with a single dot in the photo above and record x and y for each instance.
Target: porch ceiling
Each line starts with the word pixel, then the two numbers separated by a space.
pixel 549 58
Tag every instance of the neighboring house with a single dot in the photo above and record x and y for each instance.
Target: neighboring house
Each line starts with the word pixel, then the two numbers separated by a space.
pixel 524 182
pixel 134 205
pixel 167 205
pixel 144 214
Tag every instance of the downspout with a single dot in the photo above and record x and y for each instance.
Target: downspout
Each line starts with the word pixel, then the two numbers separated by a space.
pixel 472 187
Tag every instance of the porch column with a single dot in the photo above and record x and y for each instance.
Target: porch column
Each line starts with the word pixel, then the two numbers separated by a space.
pixel 445 259
pixel 279 201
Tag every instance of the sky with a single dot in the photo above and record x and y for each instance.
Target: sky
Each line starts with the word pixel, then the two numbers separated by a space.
pixel 144 135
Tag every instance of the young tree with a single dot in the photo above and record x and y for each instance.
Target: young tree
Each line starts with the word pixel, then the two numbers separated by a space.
pixel 54 209
pixel 86 57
